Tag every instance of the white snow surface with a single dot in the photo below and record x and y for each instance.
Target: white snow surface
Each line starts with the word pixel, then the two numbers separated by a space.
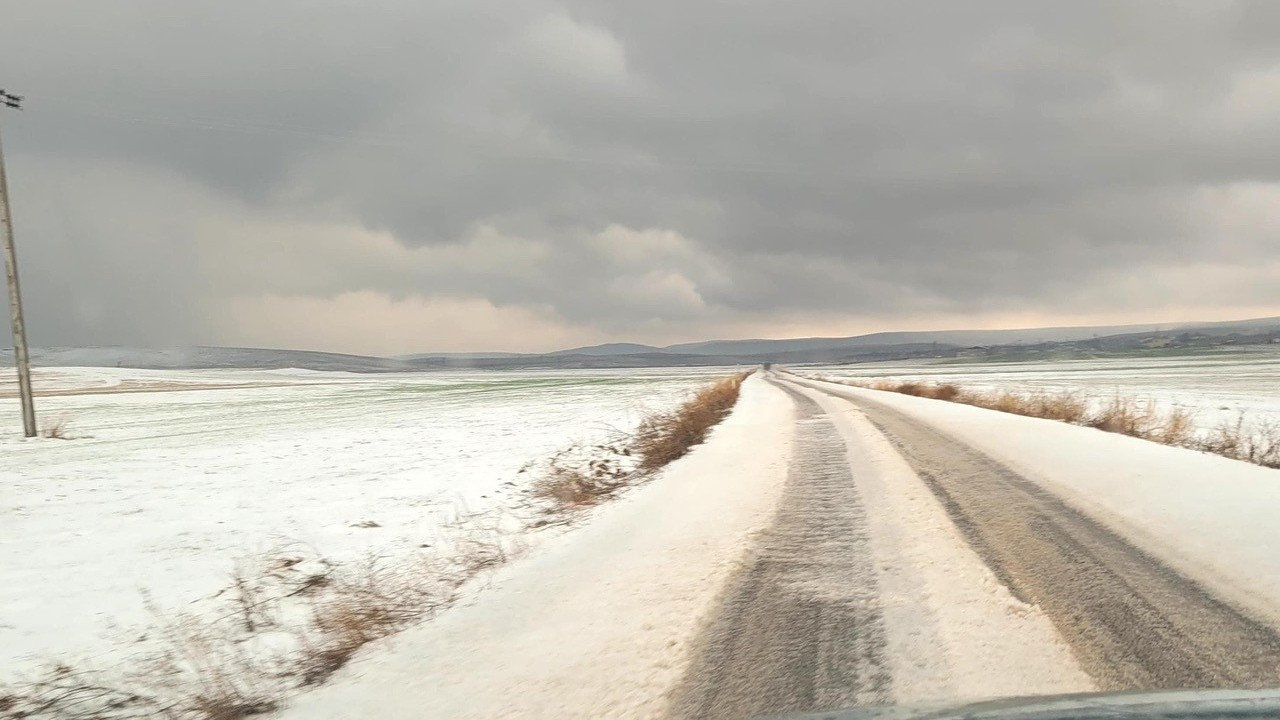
pixel 1215 387
pixel 164 491
pixel 953 630
pixel 1210 517
pixel 597 623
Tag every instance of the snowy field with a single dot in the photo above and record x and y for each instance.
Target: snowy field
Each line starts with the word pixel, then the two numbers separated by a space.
pixel 602 622
pixel 599 623
pixel 170 478
pixel 1217 388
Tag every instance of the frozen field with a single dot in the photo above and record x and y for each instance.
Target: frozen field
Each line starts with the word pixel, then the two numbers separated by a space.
pixel 170 477
pixel 1216 387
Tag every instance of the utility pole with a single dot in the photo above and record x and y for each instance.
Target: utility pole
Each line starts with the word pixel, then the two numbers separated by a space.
pixel 20 358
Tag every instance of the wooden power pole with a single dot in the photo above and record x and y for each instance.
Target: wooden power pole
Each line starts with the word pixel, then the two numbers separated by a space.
pixel 20 357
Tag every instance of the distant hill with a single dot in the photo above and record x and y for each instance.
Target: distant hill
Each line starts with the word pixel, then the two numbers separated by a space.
pixel 962 338
pixel 610 349
pixel 1252 325
pixel 461 355
pixel 1027 343
pixel 957 338
pixel 204 357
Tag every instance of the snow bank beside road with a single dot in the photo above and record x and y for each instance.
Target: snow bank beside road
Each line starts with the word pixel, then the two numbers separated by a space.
pixel 1207 516
pixel 168 491
pixel 595 624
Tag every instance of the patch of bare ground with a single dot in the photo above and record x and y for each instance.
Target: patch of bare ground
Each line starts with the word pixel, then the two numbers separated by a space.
pixel 1255 442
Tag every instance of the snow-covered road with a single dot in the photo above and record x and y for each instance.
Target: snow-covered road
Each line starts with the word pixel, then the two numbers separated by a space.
pixel 826 546
pixel 831 546
pixel 1131 621
pixel 863 592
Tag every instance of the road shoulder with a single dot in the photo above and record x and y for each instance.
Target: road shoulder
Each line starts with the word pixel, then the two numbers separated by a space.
pixel 595 624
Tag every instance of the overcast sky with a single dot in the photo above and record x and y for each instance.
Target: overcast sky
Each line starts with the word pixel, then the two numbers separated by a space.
pixel 402 176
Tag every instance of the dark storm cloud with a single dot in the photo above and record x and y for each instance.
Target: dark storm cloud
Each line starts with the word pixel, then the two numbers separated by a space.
pixel 663 168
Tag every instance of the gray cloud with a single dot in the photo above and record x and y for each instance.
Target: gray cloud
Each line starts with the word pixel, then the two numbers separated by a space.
pixel 662 170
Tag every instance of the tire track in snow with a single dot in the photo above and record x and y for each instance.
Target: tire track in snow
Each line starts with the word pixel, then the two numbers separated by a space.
pixel 799 626
pixel 1132 622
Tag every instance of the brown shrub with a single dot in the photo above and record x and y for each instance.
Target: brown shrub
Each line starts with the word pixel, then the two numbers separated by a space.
pixel 1226 439
pixel 910 387
pixel 663 437
pixel 372 600
pixel 1126 416
pixel 1258 443
pixel 1175 428
pixel 1264 444
pixel 1006 401
pixel 945 391
pixel 207 673
pixel 206 670
pixel 942 391
pixel 1064 406
pixel 582 475
pixel 346 623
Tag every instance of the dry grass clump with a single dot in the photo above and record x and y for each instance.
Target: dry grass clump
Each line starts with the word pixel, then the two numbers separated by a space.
pixel 1126 416
pixel 199 674
pixel 69 695
pixel 584 475
pixel 663 437
pixel 1066 406
pixel 292 624
pixel 1257 443
pixel 292 619
pixel 943 391
pixel 56 429
pixel 364 605
pixel 1002 400
pixel 1176 427
pixel 204 673
pixel 1063 406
